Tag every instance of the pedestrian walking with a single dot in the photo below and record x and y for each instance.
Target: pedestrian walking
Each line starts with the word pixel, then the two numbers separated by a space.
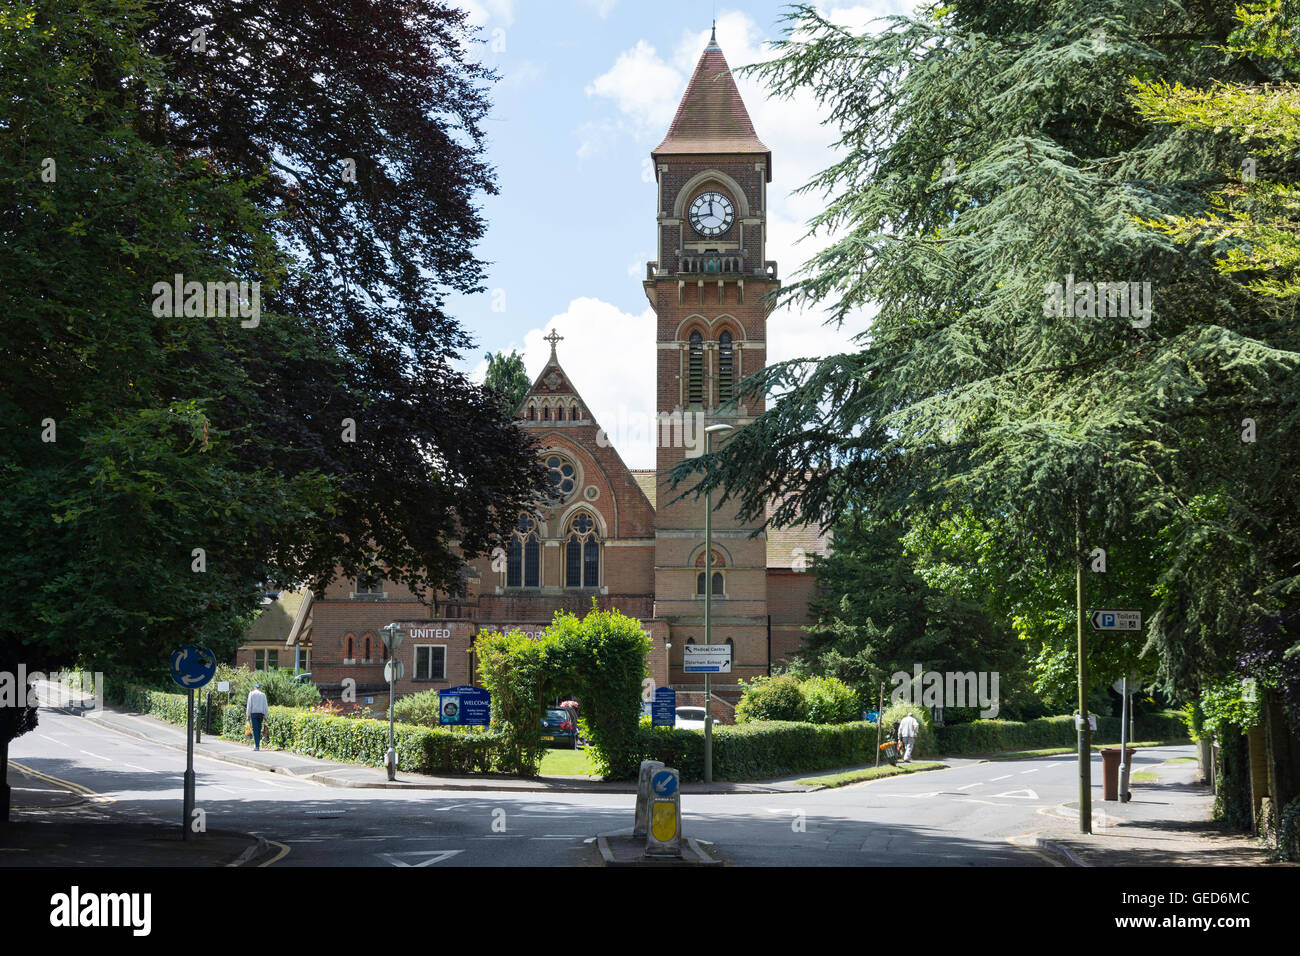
pixel 908 730
pixel 256 710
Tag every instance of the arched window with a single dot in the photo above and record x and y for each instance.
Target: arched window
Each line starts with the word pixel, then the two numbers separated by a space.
pixel 347 655
pixel 524 556
pixel 532 413
pixel 582 552
pixel 695 375
pixel 546 413
pixel 559 414
pixel 717 582
pixel 367 657
pixel 573 412
pixel 726 368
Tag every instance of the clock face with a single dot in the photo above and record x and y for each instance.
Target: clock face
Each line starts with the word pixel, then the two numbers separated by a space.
pixel 712 214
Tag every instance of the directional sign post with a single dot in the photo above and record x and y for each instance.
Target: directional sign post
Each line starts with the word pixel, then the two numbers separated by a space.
pixel 1116 620
pixel 707 659
pixel 192 668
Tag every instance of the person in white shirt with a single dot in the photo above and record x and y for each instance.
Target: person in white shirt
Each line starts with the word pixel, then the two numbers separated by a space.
pixel 909 728
pixel 256 710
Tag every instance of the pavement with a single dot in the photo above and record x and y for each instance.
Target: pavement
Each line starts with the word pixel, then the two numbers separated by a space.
pixel 1166 823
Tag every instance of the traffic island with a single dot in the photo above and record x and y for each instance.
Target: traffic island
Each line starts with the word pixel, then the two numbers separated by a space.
pixel 622 848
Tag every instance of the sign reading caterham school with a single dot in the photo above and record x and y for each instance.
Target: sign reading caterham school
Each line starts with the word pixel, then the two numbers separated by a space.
pixel 707 659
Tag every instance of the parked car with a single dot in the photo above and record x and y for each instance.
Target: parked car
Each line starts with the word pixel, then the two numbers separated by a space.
pixel 692 718
pixel 304 678
pixel 559 727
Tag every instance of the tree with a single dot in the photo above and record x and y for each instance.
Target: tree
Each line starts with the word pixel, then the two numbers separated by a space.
pixel 876 616
pixel 506 377
pixel 991 157
pixel 162 465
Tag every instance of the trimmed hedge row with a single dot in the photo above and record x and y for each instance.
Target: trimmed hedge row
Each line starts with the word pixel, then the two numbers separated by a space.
pixel 993 736
pixel 356 740
pixel 348 740
pixel 770 748
pixel 169 707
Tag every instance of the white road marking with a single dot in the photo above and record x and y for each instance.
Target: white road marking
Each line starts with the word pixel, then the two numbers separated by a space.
pixel 1058 764
pixel 430 857
pixel 53 740
pixel 138 767
pixel 968 786
pixel 1019 794
pixel 96 756
pixel 1003 777
pixel 1035 770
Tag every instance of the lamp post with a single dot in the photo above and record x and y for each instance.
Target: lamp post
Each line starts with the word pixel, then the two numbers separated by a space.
pixel 709 432
pixel 393 635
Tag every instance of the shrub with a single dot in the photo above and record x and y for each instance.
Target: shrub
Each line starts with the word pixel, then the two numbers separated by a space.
pixel 513 668
pixel 604 656
pixel 772 698
pixel 828 700
pixel 421 710
pixel 279 686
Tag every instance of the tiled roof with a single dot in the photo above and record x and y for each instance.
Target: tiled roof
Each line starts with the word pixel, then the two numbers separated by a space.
pixel 276 619
pixel 784 545
pixel 712 117
pixel 646 481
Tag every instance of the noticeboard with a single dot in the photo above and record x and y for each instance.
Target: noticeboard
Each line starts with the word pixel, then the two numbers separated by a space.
pixel 466 705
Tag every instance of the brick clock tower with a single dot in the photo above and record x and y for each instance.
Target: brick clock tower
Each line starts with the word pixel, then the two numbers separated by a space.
pixel 707 290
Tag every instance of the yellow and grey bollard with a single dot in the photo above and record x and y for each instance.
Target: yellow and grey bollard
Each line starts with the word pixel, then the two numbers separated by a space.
pixel 642 821
pixel 665 834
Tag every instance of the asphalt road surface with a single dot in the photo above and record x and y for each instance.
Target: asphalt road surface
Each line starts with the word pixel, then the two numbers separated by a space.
pixel 970 814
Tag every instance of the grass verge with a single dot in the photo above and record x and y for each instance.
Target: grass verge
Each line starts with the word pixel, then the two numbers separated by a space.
pixel 567 763
pixel 870 773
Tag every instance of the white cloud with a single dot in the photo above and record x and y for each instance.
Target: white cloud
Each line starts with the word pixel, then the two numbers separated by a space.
pixel 610 357
pixel 482 12
pixel 638 84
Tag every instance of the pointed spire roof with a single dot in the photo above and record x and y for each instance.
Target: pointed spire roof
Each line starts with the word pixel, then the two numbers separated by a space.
pixel 712 117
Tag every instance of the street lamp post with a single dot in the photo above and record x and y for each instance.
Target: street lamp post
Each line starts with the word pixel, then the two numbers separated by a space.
pixel 709 432
pixel 393 635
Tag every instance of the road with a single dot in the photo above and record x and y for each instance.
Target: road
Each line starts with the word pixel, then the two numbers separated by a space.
pixel 967 815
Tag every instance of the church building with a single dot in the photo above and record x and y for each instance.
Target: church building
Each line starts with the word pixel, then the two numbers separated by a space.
pixel 611 533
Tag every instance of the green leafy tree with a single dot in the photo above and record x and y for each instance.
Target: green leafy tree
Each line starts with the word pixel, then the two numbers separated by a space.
pixel 162 467
pixel 991 156
pixel 507 378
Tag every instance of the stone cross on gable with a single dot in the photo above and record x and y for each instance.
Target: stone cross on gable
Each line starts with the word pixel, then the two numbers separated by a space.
pixel 553 338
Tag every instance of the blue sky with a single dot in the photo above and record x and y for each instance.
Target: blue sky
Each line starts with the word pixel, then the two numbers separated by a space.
pixel 588 88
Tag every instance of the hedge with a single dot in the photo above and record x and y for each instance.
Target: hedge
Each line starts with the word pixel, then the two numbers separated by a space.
pixel 345 739
pixel 994 736
pixel 357 740
pixel 770 748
